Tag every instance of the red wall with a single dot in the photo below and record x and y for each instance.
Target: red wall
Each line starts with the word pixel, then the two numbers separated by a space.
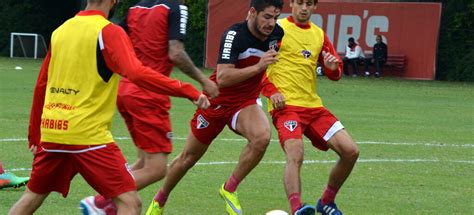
pixel 410 29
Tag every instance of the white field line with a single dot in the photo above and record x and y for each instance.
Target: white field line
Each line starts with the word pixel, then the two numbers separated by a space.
pixel 215 163
pixel 468 145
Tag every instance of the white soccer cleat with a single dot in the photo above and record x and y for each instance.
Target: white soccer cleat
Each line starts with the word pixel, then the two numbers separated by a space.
pixel 88 207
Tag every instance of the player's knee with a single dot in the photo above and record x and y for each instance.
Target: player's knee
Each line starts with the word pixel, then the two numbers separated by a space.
pixel 260 142
pixel 294 152
pixel 351 154
pixel 188 160
pixel 135 204
pixel 131 204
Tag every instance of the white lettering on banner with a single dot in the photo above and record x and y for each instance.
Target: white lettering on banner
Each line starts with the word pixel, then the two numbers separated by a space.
pixel 350 25
pixel 374 22
pixel 229 39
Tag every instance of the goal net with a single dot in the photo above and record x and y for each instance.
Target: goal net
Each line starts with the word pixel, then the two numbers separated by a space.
pixel 28 45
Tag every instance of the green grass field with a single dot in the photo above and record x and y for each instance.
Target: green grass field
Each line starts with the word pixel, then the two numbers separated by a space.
pixel 416 140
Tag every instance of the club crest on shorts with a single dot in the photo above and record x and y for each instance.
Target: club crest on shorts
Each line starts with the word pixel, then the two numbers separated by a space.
pixel 291 125
pixel 201 122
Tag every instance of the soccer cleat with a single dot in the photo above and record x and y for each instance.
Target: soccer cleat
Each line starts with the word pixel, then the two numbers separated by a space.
pixel 305 210
pixel 367 74
pixel 88 207
pixel 10 180
pixel 92 206
pixel 154 208
pixel 328 209
pixel 232 204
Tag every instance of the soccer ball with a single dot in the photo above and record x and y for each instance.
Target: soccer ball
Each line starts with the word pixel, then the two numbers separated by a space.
pixel 276 212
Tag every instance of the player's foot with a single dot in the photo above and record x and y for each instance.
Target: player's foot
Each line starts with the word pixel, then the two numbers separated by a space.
pixel 377 75
pixel 367 74
pixel 232 204
pixel 328 209
pixel 154 208
pixel 305 210
pixel 10 180
pixel 355 75
pixel 90 206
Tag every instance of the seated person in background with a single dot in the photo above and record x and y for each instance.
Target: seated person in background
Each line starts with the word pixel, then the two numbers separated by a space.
pixel 379 57
pixel 354 54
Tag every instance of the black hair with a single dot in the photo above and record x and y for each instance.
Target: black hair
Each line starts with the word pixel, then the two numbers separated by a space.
pixel 314 1
pixel 351 39
pixel 260 5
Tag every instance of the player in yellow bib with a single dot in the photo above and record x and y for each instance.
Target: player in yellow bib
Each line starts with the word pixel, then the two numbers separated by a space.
pixel 296 108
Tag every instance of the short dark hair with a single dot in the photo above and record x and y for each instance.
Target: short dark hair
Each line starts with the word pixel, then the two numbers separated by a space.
pixel 260 5
pixel 314 1
pixel 351 39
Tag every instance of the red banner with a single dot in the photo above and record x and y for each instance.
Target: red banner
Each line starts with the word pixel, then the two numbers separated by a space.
pixel 409 29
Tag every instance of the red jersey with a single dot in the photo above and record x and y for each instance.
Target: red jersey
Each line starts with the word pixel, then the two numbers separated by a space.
pixel 151 24
pixel 241 48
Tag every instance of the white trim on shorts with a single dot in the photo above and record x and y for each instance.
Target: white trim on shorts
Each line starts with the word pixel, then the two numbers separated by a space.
pixel 333 130
pixel 75 151
pixel 233 123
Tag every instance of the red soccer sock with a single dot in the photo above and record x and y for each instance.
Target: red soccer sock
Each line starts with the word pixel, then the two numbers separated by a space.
pixel 295 201
pixel 161 197
pixel 1 168
pixel 329 195
pixel 231 184
pixel 101 202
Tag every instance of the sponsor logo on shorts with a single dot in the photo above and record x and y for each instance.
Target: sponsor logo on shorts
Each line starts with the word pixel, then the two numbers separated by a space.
pixel 306 54
pixel 201 122
pixel 169 135
pixel 291 125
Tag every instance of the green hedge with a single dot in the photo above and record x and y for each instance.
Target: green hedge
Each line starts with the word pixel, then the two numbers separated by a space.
pixel 456 42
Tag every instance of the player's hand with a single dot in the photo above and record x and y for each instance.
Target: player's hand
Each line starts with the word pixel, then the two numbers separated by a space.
pixel 210 88
pixel 278 100
pixel 330 61
pixel 33 149
pixel 202 102
pixel 268 58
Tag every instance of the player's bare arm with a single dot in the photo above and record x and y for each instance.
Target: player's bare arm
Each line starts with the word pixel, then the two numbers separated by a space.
pixel 330 61
pixel 181 59
pixel 228 75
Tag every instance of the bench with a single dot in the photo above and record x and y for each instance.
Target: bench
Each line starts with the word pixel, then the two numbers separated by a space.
pixel 395 64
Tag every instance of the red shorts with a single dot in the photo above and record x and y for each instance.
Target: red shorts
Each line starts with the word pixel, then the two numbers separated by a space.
pixel 103 167
pixel 318 124
pixel 207 124
pixel 148 122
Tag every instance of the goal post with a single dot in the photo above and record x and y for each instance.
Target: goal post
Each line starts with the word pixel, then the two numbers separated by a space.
pixel 26 41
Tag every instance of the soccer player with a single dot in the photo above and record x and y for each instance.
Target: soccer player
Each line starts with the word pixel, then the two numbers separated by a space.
pixel 303 112
pixel 247 48
pixel 157 29
pixel 10 180
pixel 74 102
